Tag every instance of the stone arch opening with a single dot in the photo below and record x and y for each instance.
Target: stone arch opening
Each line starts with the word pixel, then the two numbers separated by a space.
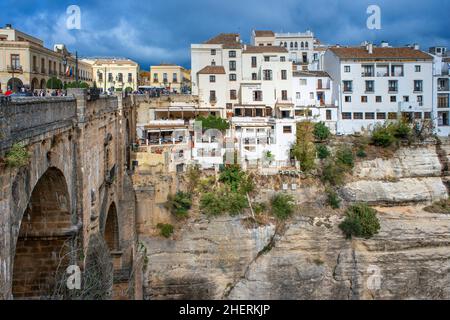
pixel 14 84
pixel 43 84
pixel 45 238
pixel 34 84
pixel 111 233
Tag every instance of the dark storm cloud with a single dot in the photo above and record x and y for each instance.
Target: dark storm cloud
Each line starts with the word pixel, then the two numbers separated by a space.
pixel 162 31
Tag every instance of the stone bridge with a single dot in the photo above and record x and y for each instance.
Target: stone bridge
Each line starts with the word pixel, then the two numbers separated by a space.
pixel 73 203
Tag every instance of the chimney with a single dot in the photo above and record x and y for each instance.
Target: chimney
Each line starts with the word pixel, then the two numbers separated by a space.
pixel 245 47
pixel 8 26
pixel 369 48
pixel 384 44
pixel 416 46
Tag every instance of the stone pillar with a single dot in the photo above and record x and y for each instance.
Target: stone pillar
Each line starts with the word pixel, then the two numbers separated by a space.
pixel 81 96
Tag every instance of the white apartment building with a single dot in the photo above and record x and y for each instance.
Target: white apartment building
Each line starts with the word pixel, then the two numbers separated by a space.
pixel 376 84
pixel 300 45
pixel 313 97
pixel 441 90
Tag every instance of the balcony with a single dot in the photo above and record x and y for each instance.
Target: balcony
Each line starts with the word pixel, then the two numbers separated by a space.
pixel 397 74
pixel 348 90
pixel 367 74
pixel 15 69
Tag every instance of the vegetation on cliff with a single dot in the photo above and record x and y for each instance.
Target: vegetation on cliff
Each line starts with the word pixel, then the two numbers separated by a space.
pixel 360 221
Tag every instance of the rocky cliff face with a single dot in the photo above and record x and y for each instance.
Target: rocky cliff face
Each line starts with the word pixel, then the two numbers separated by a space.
pixel 309 258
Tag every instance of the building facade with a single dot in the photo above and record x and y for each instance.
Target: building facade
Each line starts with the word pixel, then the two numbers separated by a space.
pixel 441 90
pixel 25 62
pixel 171 77
pixel 377 84
pixel 114 74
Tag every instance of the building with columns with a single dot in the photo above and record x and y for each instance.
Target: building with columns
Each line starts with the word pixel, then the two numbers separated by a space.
pixel 26 62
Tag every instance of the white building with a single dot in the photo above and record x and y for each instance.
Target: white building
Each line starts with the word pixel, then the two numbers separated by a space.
pixel 375 84
pixel 441 90
pixel 300 45
pixel 313 97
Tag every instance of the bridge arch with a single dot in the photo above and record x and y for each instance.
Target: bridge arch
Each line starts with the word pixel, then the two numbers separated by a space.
pixel 45 238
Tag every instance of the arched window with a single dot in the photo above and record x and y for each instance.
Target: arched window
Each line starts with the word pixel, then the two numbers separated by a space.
pixel 296 45
pixel 285 44
pixel 306 44
pixel 292 45
pixel 302 45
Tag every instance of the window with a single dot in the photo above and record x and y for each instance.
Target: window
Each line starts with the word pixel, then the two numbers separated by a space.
pixel 393 85
pixel 370 116
pixel 232 65
pixel 427 115
pixel 174 78
pixel 392 115
pixel 347 69
pixel 405 98
pixel 358 115
pixel 364 99
pixel 266 58
pixel 282 59
pixel 381 116
pixel 130 77
pixel 212 78
pixel 420 100
pixel 213 52
pixel 233 77
pixel 254 63
pixel 283 75
pixel 393 98
pixel 233 95
pixel 120 77
pixel 328 115
pixel 368 70
pixel 370 86
pixel 348 98
pixel 287 129
pixel 110 77
pixel 213 63
pixel 229 106
pixel 42 65
pixel 418 115
pixel 257 95
pixel 232 54
pixel 418 85
pixel 346 115
pixel 284 95
pixel 348 86
pixel 212 96
pixel 267 75
pixel 165 77
pixel 35 64
pixel 418 68
pixel 254 76
pixel 378 99
pixel 297 95
pixel 15 61
pixel 155 77
pixel 303 82
pixel 100 77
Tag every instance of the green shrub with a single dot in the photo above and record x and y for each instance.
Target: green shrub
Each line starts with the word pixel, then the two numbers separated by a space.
pixel 179 204
pixel 361 153
pixel 193 175
pixel 54 83
pixel 212 122
pixel 17 156
pixel 79 84
pixel 212 204
pixel 361 221
pixel 382 137
pixel 304 149
pixel 333 173
pixel 321 131
pixel 345 156
pixel 232 176
pixel 259 208
pixel 282 206
pixel 333 199
pixel 400 130
pixel 235 203
pixel 322 151
pixel 165 230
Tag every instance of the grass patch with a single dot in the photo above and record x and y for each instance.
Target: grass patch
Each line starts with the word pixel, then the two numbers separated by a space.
pixel 17 156
pixel 442 206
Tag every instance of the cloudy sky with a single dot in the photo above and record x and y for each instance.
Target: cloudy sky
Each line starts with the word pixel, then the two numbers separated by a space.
pixel 155 31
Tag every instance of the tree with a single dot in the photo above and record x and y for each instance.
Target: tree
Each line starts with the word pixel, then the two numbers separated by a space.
pixel 321 131
pixel 212 122
pixel 361 221
pixel 282 206
pixel 54 83
pixel 304 149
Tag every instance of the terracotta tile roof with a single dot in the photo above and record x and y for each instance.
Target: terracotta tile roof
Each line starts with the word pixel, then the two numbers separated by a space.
pixel 264 49
pixel 380 53
pixel 212 70
pixel 225 38
pixel 264 33
pixel 321 74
